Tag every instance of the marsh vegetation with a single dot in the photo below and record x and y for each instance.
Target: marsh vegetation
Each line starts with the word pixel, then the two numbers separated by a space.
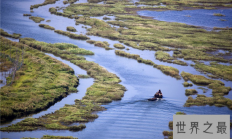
pixel 39 83
pixel 36 19
pixel 14 35
pixel 72 35
pixel 46 26
pixel 69 28
pixel 104 90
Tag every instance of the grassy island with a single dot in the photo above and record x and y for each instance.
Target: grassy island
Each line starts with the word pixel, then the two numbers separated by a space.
pixel 103 44
pixel 38 84
pixel 69 28
pixel 46 26
pixel 36 19
pixel 119 46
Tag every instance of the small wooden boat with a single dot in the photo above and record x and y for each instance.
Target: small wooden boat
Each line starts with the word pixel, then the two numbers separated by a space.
pixel 152 99
pixel 155 98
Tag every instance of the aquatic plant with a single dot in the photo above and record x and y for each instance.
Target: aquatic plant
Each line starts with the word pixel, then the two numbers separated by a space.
pixel 218 14
pixel 70 28
pixel 218 70
pixel 186 84
pixel 192 54
pixel 42 4
pixel 202 100
pixel 149 62
pixel 26 14
pixel 125 54
pixel 168 70
pixel 168 133
pixel 106 18
pixel 190 92
pixel 83 76
pixel 199 79
pixel 179 62
pixel 119 46
pixel 46 26
pixel 14 35
pixel 163 56
pixel 36 19
pixel 72 35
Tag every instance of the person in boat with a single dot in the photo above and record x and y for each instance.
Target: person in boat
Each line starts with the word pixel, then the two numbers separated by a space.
pixel 158 94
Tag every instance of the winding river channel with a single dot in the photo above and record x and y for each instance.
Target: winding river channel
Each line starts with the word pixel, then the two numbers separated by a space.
pixel 131 117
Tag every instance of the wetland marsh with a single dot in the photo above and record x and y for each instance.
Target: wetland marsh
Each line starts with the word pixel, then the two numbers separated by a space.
pixel 112 102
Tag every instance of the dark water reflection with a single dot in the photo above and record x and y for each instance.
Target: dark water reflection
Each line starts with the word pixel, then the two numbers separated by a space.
pixel 133 116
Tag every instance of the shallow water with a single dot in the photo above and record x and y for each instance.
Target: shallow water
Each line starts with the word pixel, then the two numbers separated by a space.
pixel 200 17
pixel 133 116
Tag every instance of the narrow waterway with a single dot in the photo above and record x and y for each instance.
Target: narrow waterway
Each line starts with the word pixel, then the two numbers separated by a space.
pixel 131 117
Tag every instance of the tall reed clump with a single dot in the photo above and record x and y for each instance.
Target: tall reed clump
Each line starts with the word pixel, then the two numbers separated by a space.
pixel 39 83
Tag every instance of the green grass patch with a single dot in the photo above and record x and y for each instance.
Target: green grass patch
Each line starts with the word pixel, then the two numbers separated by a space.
pixel 168 70
pixel 70 28
pixel 83 76
pixel 44 3
pixel 36 19
pixel 125 54
pixel 163 56
pixel 46 26
pixel 186 84
pixel 219 70
pixel 72 35
pixel 119 46
pixel 59 49
pixel 190 92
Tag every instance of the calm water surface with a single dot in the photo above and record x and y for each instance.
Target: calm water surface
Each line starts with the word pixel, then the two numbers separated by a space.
pixel 133 116
pixel 201 17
